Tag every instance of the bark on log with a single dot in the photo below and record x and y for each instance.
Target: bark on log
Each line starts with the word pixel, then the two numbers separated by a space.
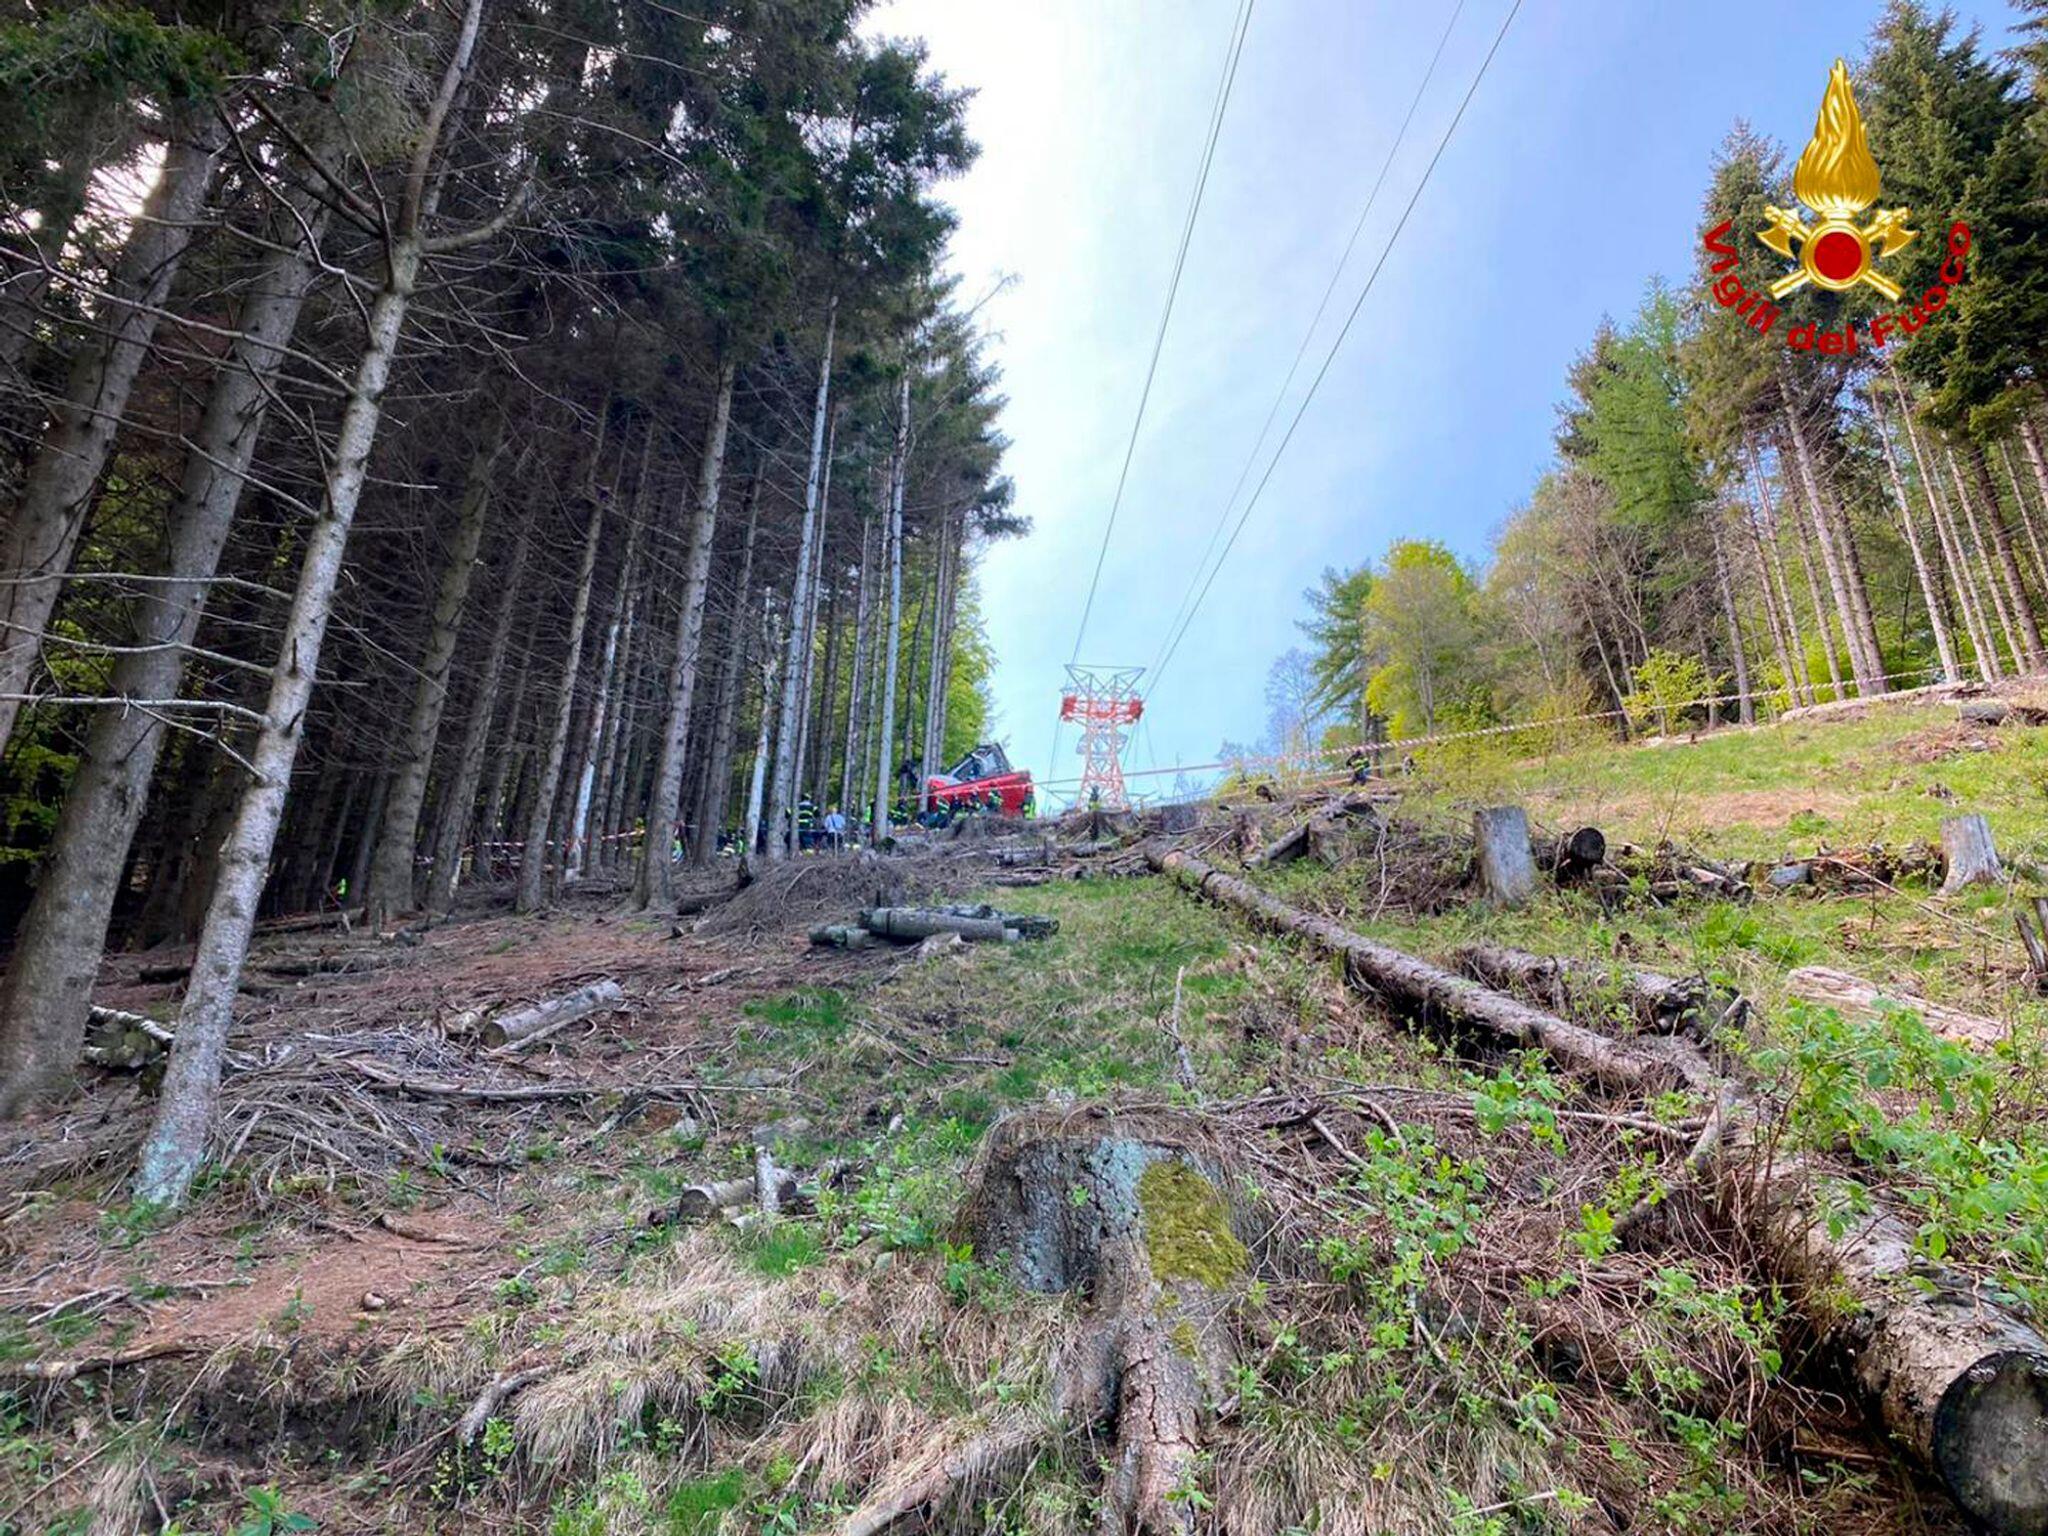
pixel 1663 1005
pixel 922 923
pixel 1439 998
pixel 1955 1378
pixel 1981 711
pixel 842 936
pixel 1860 999
pixel 1313 836
pixel 124 1040
pixel 1507 872
pixel 1972 858
pixel 1571 856
pixel 525 1027
pixel 701 1200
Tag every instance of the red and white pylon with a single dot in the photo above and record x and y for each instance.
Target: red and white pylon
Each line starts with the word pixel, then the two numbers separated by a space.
pixel 1104 700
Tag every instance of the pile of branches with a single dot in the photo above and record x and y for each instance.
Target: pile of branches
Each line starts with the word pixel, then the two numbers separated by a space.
pixel 779 897
pixel 301 1108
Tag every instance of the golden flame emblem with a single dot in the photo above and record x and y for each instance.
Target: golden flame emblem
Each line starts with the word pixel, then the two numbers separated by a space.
pixel 1837 178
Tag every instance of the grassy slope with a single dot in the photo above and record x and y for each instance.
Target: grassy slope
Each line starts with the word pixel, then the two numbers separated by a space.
pixel 772 1372
pixel 1889 775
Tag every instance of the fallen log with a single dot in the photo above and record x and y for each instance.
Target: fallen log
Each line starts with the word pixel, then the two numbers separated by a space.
pixel 1954 1377
pixel 702 1200
pixel 1030 925
pixel 1663 1005
pixel 1863 999
pixel 524 1027
pixel 923 922
pixel 125 1040
pixel 1438 997
pixel 842 936
pixel 1312 836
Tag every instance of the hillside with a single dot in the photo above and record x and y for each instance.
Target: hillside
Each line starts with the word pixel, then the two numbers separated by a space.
pixel 1393 1277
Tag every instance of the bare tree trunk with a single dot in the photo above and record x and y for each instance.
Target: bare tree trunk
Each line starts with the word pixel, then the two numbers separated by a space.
pixel 392 883
pixel 852 772
pixel 758 780
pixel 1930 590
pixel 49 982
pixel 2027 519
pixel 1772 614
pixel 799 779
pixel 2008 560
pixel 36 547
pixel 656 883
pixel 540 816
pixel 1770 556
pixel 781 786
pixel 1860 666
pixel 892 620
pixel 824 713
pixel 177 1138
pixel 459 802
pixel 600 714
pixel 1968 520
pixel 731 683
pixel 1745 707
pixel 604 811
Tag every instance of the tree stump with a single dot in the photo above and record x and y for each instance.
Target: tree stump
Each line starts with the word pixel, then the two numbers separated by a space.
pixel 1507 870
pixel 1137 1218
pixel 1972 859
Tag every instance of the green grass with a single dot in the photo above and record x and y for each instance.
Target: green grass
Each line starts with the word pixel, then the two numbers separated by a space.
pixel 695 1508
pixel 1890 775
pixel 782 1248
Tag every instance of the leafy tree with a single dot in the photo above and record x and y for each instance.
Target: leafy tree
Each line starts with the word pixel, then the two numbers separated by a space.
pixel 1421 621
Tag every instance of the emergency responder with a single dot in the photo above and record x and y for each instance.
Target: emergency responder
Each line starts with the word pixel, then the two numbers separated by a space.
pixel 806 822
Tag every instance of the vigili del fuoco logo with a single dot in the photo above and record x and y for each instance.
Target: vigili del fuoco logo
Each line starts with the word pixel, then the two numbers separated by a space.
pixel 1837 178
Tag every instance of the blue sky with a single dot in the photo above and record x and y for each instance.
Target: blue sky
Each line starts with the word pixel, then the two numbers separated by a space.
pixel 1575 176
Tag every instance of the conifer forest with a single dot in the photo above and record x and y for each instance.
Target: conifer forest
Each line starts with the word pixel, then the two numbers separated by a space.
pixel 548 983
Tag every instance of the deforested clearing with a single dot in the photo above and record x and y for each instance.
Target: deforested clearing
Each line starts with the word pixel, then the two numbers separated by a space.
pixel 1167 1214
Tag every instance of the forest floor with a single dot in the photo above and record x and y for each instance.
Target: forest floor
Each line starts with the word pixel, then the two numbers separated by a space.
pixel 428 1287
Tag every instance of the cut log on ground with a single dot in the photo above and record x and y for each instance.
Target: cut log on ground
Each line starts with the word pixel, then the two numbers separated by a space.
pixel 1507 871
pixel 524 1027
pixel 1317 835
pixel 701 1200
pixel 1996 712
pixel 125 1040
pixel 842 936
pixel 1864 1000
pixel 1441 999
pixel 1572 856
pixel 1953 1376
pixel 1662 1005
pixel 922 923
pixel 1972 859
